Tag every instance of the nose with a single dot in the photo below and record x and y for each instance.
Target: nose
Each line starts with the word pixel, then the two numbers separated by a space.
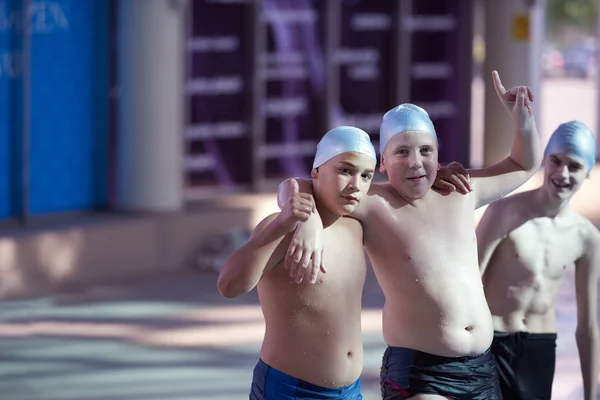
pixel 564 171
pixel 415 161
pixel 354 183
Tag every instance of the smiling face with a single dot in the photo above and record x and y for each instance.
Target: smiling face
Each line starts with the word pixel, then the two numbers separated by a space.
pixel 563 175
pixel 343 181
pixel 410 161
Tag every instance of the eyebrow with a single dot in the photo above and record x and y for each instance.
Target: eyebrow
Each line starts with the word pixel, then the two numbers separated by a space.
pixel 346 163
pixel 404 146
pixel 567 161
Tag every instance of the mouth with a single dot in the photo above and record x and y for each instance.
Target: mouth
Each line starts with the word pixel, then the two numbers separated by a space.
pixel 559 184
pixel 416 178
pixel 350 199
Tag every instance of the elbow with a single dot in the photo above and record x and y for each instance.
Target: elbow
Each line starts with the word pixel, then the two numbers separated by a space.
pixel 530 168
pixel 586 333
pixel 231 287
pixel 536 164
pixel 226 287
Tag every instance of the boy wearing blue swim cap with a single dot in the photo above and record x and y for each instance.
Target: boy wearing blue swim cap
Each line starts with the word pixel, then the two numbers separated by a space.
pixel 526 243
pixel 312 347
pixel 421 243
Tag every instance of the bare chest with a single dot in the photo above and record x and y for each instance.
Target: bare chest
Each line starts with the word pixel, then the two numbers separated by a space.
pixel 345 263
pixel 441 224
pixel 542 248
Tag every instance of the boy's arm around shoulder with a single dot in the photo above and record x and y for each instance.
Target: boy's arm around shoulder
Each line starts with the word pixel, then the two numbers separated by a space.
pixel 244 268
pixel 586 288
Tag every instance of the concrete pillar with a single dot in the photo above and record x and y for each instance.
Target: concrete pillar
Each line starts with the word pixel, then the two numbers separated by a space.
pixel 597 127
pixel 514 36
pixel 151 105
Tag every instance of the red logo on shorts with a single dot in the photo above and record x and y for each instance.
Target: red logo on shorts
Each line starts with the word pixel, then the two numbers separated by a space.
pixel 394 386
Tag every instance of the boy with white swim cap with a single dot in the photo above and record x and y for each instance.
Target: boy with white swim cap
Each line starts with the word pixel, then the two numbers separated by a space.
pixel 421 243
pixel 312 347
pixel 526 242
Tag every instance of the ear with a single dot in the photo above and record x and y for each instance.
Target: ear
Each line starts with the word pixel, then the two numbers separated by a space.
pixel 439 166
pixel 382 166
pixel 314 173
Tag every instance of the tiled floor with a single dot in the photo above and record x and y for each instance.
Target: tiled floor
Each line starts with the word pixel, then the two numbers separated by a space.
pixel 173 337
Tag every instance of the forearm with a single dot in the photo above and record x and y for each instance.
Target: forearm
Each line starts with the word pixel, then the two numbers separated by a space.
pixel 526 149
pixel 588 346
pixel 244 268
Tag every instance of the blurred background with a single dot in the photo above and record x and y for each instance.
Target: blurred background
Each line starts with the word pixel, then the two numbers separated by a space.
pixel 140 140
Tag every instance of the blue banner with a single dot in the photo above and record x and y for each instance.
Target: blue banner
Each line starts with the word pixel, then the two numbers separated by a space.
pixel 69 95
pixel 10 84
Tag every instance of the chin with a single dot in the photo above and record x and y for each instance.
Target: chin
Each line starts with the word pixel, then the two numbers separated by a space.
pixel 347 209
pixel 563 195
pixel 410 191
pixel 560 195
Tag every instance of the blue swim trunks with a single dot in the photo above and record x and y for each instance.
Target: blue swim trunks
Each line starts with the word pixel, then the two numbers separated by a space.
pixel 271 384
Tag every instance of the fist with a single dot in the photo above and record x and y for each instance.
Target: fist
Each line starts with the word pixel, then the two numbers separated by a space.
pixel 297 208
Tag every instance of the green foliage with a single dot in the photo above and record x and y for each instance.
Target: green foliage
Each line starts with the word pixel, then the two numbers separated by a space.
pixel 581 13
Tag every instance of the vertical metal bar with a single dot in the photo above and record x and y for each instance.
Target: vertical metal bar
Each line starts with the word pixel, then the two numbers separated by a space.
pixel 403 49
pixel 257 93
pixel 597 83
pixel 333 15
pixel 465 27
pixel 188 33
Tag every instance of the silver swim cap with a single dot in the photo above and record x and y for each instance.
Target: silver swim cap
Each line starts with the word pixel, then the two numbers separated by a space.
pixel 576 139
pixel 404 118
pixel 343 139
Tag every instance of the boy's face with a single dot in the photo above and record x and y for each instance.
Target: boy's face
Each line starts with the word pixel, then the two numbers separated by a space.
pixel 563 175
pixel 410 161
pixel 343 181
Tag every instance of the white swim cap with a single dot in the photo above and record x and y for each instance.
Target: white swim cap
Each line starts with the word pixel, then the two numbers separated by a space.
pixel 573 138
pixel 343 139
pixel 404 118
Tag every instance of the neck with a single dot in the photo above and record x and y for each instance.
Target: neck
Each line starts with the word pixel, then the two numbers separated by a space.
pixel 328 218
pixel 547 205
pixel 413 201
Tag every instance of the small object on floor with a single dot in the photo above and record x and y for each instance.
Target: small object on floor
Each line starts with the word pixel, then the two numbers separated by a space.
pixel 215 250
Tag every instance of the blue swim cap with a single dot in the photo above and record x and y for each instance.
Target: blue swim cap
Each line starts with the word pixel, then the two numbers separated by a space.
pixel 404 118
pixel 343 139
pixel 573 138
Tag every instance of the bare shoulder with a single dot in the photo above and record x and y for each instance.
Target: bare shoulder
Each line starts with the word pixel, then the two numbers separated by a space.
pixel 382 193
pixel 352 229
pixel 369 202
pixel 514 205
pixel 589 231
pixel 351 224
pixel 505 215
pixel 377 189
